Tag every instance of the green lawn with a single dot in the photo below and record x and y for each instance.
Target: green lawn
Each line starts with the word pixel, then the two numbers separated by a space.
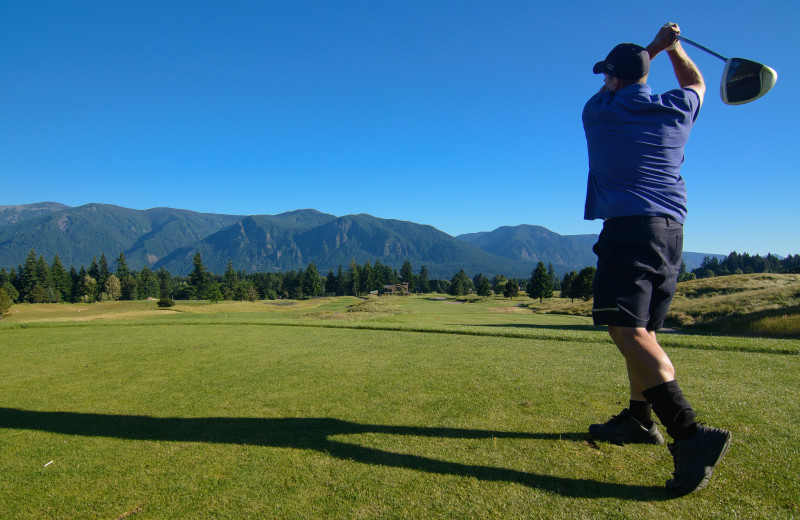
pixel 405 408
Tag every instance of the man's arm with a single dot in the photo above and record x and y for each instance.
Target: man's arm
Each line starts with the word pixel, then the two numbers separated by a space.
pixel 686 72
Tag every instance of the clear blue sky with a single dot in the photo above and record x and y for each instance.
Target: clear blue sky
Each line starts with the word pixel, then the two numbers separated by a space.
pixel 462 115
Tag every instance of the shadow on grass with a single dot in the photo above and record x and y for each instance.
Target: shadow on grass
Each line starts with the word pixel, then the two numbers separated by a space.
pixel 314 434
pixel 583 328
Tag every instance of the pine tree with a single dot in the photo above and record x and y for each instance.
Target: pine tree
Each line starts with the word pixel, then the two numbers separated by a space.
pixel 312 285
pixel 74 285
pixel 482 285
pixel 424 282
pixel 566 285
pixel 62 283
pixel 583 285
pixel 43 273
pixel 330 283
pixel 554 281
pixel 5 303
pixel 353 277
pixel 147 284
pixel 540 285
pixel 460 284
pixel 229 282
pixel 199 279
pixel 165 287
pixel 104 272
pixel 28 277
pixel 366 278
pixel 341 282
pixel 94 269
pixel 407 275
pixel 511 289
pixel 122 266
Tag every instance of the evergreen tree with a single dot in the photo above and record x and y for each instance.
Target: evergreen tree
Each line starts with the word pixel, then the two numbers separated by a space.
pixel 94 269
pixel 74 278
pixel 584 283
pixel 147 284
pixel 213 292
pixel 165 287
pixel 199 279
pixel 5 303
pixel 341 282
pixel 379 275
pixel 460 284
pixel 312 285
pixel 353 277
pixel 483 287
pixel 684 276
pixel 540 285
pixel 28 277
pixel 407 275
pixel 294 284
pixel 499 284
pixel 103 272
pixel 424 282
pixel 43 273
pixel 330 283
pixel 62 283
pixel 122 266
pixel 129 287
pixel 366 278
pixel 10 291
pixel 567 283
pixel 511 289
pixel 551 273
pixel 229 282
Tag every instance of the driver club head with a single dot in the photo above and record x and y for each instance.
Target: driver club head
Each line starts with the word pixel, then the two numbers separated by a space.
pixel 744 81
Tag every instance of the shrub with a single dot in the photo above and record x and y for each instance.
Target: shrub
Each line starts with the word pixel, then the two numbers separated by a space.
pixel 165 303
pixel 5 303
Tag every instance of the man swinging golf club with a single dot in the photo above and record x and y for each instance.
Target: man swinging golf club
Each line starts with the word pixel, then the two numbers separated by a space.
pixel 636 141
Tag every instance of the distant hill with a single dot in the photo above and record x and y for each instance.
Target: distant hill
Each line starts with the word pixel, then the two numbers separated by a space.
pixel 534 244
pixel 271 243
pixel 171 237
pixel 10 215
pixel 78 234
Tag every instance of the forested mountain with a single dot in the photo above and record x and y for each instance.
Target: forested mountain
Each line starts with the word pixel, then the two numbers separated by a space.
pixel 279 243
pixel 14 214
pixel 266 243
pixel 78 234
pixel 535 244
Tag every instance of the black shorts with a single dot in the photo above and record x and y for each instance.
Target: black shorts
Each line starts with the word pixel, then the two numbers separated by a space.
pixel 638 260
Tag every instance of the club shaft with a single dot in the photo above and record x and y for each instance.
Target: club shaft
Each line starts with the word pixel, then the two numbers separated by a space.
pixel 701 47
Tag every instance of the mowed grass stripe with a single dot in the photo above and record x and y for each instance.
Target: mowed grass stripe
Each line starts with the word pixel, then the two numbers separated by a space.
pixel 545 330
pixel 233 421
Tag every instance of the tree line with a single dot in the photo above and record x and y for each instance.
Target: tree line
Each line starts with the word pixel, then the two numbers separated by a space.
pixel 736 263
pixel 37 281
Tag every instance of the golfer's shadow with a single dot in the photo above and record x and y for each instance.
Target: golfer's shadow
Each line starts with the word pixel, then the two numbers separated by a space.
pixel 315 434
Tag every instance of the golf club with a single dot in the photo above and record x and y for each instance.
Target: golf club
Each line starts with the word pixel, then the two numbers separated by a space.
pixel 742 80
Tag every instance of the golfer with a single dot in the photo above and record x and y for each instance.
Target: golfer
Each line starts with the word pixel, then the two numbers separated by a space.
pixel 636 141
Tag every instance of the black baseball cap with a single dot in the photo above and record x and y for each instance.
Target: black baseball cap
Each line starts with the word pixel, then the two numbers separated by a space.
pixel 625 61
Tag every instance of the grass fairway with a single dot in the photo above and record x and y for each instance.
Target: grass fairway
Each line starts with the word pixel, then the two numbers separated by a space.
pixel 400 408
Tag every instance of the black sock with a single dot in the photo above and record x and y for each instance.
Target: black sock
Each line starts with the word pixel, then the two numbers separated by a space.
pixel 672 409
pixel 641 411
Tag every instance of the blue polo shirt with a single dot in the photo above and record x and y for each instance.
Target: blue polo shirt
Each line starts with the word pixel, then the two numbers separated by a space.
pixel 636 141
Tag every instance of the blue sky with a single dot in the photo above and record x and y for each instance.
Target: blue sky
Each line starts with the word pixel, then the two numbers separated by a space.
pixel 462 115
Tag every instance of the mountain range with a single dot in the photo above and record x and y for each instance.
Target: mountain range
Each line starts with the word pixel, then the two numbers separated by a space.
pixel 258 243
